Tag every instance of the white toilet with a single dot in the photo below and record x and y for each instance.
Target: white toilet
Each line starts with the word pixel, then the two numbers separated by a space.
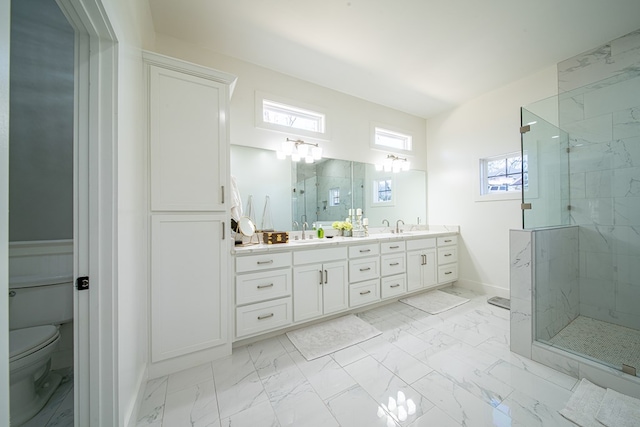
pixel 35 312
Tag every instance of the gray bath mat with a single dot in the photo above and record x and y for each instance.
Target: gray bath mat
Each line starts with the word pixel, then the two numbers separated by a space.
pixel 434 302
pixel 330 336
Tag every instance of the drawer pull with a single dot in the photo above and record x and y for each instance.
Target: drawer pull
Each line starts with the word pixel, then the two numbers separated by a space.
pixel 270 285
pixel 394 263
pixel 365 292
pixel 265 262
pixel 448 241
pixel 395 286
pixel 362 251
pixel 448 272
pixel 265 316
pixel 365 269
pixel 394 247
pixel 448 254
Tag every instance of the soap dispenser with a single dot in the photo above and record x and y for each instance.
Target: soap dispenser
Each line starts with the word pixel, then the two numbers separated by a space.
pixel 320 231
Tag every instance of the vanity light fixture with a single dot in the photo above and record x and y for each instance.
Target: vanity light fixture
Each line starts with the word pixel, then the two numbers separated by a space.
pixel 298 149
pixel 394 164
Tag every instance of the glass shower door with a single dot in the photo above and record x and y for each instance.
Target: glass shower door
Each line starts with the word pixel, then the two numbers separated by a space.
pixel 545 189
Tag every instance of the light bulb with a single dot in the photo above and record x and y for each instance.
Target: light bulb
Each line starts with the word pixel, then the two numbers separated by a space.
pixel 295 157
pixel 316 152
pixel 308 159
pixel 287 147
pixel 406 166
pixel 303 150
pixel 281 155
pixel 378 167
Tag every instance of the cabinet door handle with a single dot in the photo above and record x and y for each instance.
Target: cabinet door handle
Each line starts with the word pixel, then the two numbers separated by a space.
pixel 365 269
pixel 424 259
pixel 362 251
pixel 222 198
pixel 265 316
pixel 394 263
pixel 265 262
pixel 365 292
pixel 448 254
pixel 270 285
pixel 394 247
pixel 223 230
pixel 326 276
pixel 395 286
pixel 321 278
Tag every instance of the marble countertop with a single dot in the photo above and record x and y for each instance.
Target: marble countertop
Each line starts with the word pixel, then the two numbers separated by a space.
pixel 342 241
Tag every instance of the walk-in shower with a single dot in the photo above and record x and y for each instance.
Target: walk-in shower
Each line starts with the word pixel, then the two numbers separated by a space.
pixel 582 205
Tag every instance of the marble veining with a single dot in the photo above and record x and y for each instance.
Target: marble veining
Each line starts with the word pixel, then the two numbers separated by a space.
pixel 450 369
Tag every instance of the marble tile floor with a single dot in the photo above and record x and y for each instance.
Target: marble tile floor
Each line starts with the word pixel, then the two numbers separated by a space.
pixel 450 369
pixel 58 412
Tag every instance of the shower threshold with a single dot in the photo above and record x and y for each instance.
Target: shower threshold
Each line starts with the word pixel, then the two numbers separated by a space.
pixel 614 345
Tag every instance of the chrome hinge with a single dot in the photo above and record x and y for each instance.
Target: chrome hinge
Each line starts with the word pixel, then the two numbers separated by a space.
pixel 525 128
pixel 525 206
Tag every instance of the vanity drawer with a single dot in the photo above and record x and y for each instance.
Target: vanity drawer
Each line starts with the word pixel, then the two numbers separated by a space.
pixel 393 285
pixel 392 247
pixel 318 255
pixel 447 273
pixel 447 240
pixel 363 250
pixel 364 269
pixel 262 286
pixel 421 244
pixel 392 264
pixel 262 262
pixel 447 255
pixel 364 293
pixel 263 316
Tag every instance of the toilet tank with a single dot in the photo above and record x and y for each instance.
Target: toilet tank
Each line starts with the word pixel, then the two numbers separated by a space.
pixel 35 304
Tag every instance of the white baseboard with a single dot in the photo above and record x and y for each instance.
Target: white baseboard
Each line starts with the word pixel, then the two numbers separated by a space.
pixel 483 288
pixel 131 417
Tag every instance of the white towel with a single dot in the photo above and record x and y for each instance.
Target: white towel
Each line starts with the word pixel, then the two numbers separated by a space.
pixel 583 404
pixel 236 201
pixel 619 410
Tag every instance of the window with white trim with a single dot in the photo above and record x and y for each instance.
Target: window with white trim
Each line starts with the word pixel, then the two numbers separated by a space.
pixel 382 191
pixel 385 138
pixel 290 117
pixel 508 173
pixel 334 196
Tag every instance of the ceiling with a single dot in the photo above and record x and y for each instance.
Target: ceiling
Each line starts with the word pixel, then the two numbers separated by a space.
pixel 418 56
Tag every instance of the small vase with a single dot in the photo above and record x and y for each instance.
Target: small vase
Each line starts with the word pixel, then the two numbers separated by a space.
pixel 346 233
pixel 340 232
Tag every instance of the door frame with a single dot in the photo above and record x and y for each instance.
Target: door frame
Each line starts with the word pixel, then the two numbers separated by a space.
pixel 95 209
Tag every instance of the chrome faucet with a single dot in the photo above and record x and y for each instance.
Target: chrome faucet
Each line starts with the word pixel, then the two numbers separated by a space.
pixel 397 227
pixel 304 228
pixel 295 225
pixel 385 220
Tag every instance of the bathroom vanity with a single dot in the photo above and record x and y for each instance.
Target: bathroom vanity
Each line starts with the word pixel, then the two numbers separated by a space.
pixel 284 285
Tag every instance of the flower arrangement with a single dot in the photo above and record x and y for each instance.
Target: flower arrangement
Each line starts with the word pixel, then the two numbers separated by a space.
pixel 342 225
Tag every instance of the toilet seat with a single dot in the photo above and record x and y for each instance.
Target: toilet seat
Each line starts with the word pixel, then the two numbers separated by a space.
pixel 26 341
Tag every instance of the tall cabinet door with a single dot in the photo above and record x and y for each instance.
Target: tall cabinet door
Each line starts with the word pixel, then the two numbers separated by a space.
pixel 188 285
pixel 188 147
pixel 307 292
pixel 415 261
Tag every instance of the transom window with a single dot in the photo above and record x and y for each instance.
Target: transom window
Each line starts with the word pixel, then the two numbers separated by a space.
pixel 503 174
pixel 287 117
pixel 391 139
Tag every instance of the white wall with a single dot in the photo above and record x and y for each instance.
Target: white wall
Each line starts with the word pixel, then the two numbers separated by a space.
pixel 132 24
pixel 486 126
pixel 349 118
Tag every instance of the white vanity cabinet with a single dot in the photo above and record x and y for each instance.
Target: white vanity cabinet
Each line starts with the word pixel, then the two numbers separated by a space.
pixel 319 282
pixel 364 274
pixel 421 264
pixel 187 121
pixel 263 293
pixel 447 259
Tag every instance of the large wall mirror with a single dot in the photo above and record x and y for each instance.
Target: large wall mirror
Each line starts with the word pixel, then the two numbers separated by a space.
pixel 279 192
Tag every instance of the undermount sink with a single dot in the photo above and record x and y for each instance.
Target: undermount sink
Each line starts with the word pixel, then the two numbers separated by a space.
pixel 305 241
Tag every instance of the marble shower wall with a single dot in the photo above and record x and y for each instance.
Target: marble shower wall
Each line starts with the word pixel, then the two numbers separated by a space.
pixel 557 291
pixel 599 107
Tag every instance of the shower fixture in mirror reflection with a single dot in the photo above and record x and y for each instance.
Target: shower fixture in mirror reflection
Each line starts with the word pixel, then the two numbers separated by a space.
pixel 299 149
pixel 394 164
